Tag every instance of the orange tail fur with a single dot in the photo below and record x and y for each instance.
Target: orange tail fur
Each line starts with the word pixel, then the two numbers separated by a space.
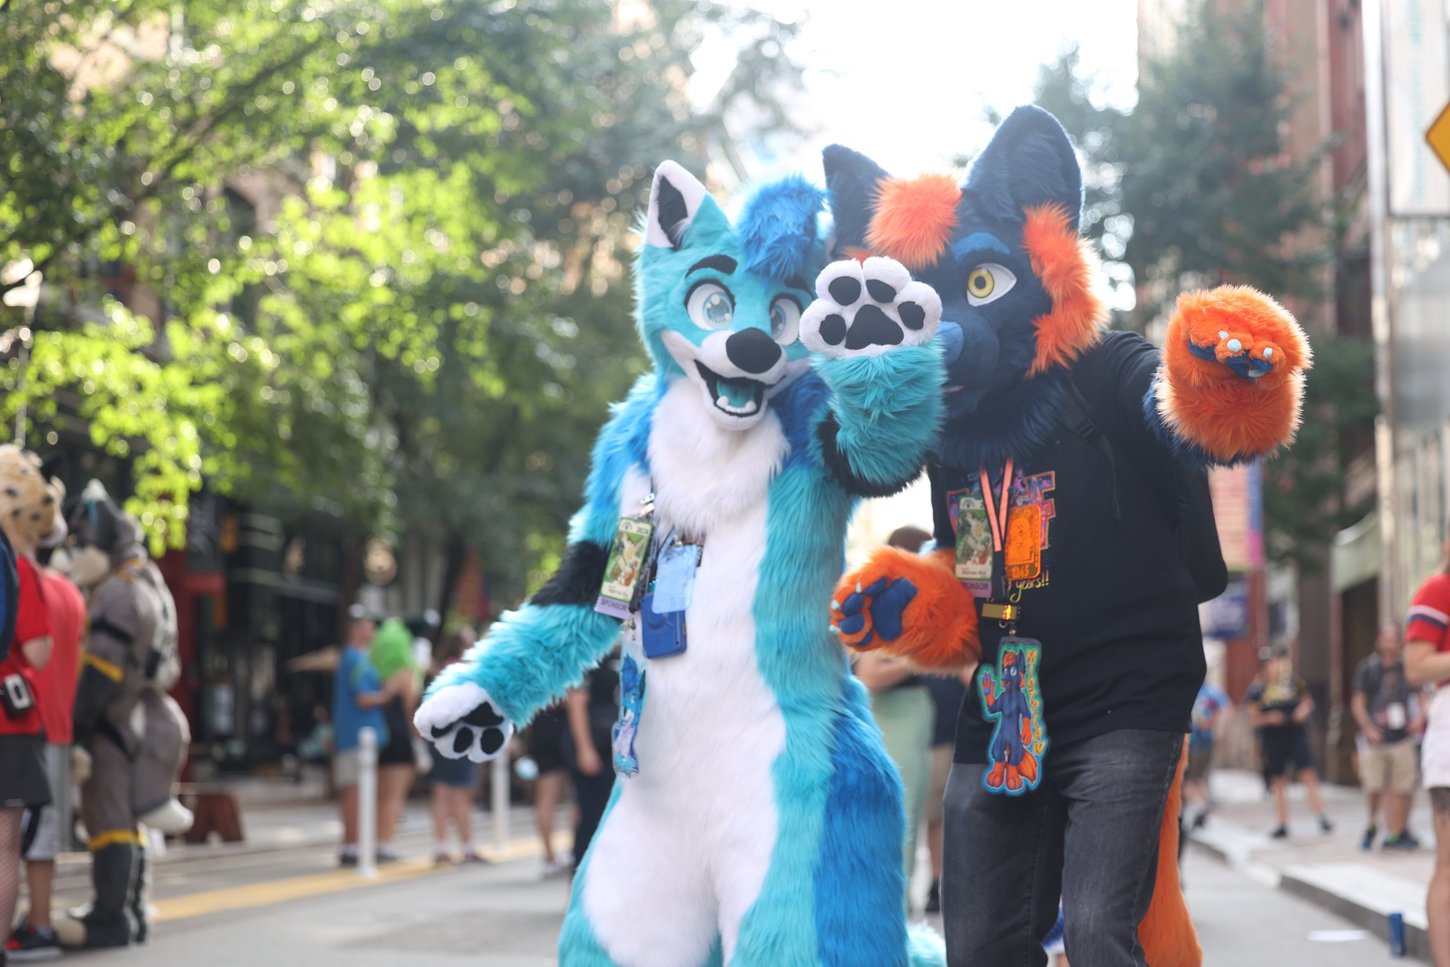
pixel 1166 932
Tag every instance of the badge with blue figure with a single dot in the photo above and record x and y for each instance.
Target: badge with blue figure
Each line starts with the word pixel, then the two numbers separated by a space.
pixel 631 707
pixel 1012 699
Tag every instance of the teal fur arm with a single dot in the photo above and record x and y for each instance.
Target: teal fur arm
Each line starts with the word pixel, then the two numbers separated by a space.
pixel 531 656
pixel 884 414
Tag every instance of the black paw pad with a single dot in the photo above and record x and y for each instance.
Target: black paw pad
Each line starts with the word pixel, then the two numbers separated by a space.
pixel 833 329
pixel 844 290
pixel 913 316
pixel 484 716
pixel 881 290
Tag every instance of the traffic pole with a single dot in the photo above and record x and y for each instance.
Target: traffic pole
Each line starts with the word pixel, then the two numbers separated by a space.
pixel 367 802
pixel 499 787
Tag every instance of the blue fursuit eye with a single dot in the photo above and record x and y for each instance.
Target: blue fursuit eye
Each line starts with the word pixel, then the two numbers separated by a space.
pixel 710 305
pixel 785 319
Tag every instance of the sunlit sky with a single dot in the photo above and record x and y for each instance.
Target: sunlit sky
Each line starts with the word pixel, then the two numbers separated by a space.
pixel 907 81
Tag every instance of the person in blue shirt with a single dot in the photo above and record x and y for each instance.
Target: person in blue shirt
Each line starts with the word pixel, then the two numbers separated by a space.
pixel 1209 709
pixel 358 697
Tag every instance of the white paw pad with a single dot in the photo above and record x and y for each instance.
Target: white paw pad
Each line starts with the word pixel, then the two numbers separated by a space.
pixel 862 309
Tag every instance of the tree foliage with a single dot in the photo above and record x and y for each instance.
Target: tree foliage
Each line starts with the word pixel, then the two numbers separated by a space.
pixel 387 239
pixel 1197 186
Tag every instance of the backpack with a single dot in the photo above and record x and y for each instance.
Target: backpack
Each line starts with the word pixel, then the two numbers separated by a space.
pixel 1192 506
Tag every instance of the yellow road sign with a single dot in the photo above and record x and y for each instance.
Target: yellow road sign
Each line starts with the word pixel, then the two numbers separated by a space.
pixel 1437 136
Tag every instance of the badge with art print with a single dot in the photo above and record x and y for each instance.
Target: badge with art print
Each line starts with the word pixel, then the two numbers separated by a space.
pixel 625 568
pixel 1023 544
pixel 1012 702
pixel 631 708
pixel 974 540
pixel 675 569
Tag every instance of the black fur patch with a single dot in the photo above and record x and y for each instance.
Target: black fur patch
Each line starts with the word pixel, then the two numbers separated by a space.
pixel 672 211
pixel 578 578
pixel 840 468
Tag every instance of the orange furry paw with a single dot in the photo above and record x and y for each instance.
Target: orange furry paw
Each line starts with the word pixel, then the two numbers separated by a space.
pixel 1233 374
pixel 907 605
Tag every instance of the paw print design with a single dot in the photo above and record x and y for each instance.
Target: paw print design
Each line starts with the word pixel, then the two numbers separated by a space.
pixel 863 309
pixel 463 721
pixel 871 615
pixel 1240 352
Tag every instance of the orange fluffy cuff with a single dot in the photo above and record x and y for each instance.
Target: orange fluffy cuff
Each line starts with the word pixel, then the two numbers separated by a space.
pixel 939 627
pixel 1203 402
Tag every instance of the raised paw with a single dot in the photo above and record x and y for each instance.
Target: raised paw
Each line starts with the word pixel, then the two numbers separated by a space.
pixel 463 721
pixel 1237 329
pixel 862 309
pixel 872 615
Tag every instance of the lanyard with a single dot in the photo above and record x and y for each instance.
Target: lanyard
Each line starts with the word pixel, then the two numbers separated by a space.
pixel 997 514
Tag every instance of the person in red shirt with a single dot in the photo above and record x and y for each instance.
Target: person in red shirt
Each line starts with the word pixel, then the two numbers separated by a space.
pixel 22 743
pixel 1427 660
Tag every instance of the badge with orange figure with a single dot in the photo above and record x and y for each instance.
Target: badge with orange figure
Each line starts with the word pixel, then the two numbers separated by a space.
pixel 1012 698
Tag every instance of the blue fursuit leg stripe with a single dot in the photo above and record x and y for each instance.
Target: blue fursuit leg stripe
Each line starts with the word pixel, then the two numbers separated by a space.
pixel 860 888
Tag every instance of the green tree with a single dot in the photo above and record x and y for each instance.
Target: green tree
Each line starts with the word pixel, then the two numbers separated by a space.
pixel 425 330
pixel 1195 186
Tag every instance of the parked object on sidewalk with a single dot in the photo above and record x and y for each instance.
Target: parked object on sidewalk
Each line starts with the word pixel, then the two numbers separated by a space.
pixel 1397 935
pixel 755 812
pixel 1072 514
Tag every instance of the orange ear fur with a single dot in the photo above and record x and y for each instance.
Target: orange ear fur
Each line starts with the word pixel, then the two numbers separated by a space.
pixel 914 219
pixel 1068 269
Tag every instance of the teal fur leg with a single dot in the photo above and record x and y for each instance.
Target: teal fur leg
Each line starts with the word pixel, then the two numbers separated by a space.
pixel 578 946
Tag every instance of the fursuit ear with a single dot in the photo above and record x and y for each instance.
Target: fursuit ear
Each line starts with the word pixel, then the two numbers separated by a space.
pixel 1029 163
pixel 852 180
pixel 674 198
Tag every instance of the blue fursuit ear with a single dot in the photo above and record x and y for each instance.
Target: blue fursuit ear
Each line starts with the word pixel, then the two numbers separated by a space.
pixel 779 227
pixel 1028 163
pixel 852 180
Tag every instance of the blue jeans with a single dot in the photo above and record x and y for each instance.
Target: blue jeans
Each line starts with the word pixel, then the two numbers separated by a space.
pixel 1088 833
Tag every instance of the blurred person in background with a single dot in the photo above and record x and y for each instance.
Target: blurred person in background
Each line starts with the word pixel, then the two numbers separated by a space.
pixel 946 699
pixel 549 751
pixel 1279 704
pixel 392 656
pixel 24 647
pixel 358 697
pixel 591 710
pixel 904 712
pixel 454 780
pixel 1210 709
pixel 1388 710
pixel 1427 660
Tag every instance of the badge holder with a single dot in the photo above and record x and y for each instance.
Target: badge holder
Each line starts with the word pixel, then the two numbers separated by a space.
pixel 1012 701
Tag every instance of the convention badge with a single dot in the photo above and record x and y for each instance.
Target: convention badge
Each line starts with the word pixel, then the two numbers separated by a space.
pixel 1011 698
pixel 631 707
pixel 625 568
pixel 1023 545
pixel 663 633
pixel 1395 718
pixel 974 540
pixel 675 576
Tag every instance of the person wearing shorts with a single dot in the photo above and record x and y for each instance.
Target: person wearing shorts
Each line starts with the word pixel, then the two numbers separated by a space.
pixel 548 738
pixel 1427 659
pixel 1387 708
pixel 357 700
pixel 1209 709
pixel 1279 704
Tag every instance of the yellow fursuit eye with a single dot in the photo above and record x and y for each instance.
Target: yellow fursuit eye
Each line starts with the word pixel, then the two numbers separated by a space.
pixel 989 282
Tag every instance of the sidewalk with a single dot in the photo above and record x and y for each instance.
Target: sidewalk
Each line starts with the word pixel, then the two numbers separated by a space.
pixel 1330 869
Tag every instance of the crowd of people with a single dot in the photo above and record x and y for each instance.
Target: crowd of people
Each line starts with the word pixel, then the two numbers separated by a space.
pixel 382 673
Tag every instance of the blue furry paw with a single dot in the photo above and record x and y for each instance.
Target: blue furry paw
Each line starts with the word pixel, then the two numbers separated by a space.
pixel 874 611
pixel 462 721
pixel 863 309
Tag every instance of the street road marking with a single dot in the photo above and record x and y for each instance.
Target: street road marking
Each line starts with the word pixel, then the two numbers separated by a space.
pixel 319 884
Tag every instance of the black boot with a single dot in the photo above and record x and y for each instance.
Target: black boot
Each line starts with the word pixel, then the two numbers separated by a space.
pixel 107 924
pixel 138 901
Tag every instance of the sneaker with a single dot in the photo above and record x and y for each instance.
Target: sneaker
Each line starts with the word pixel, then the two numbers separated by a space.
pixel 347 859
pixel 442 858
pixel 553 868
pixel 386 854
pixel 1411 839
pixel 1370 832
pixel 933 897
pixel 1200 819
pixel 474 856
pixel 1404 842
pixel 30 942
pixel 1281 833
pixel 1325 826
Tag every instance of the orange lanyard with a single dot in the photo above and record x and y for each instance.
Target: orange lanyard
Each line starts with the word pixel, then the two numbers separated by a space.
pixel 997 514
